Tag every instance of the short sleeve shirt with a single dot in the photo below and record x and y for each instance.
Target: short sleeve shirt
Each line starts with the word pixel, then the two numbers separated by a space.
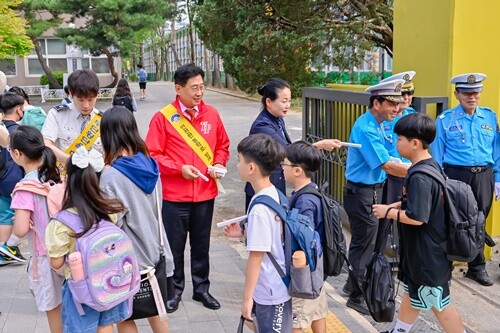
pixel 63 126
pixel 423 260
pixel 264 234
pixel 364 165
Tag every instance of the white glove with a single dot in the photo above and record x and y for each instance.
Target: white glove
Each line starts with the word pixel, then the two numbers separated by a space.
pixel 395 159
pixel 497 190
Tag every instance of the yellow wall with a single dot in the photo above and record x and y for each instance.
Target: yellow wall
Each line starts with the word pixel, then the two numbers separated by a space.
pixel 442 38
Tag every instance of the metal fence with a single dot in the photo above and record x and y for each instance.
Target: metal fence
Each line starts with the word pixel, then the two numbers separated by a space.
pixel 329 113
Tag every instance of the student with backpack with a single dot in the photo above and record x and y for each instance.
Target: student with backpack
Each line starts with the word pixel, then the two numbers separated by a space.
pixel 123 96
pixel 142 77
pixel 28 150
pixel 12 106
pixel 33 115
pixel 301 162
pixel 86 213
pixel 424 267
pixel 265 296
pixel 132 176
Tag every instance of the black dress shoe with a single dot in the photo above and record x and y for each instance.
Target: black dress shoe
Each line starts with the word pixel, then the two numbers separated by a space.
pixel 208 300
pixel 173 304
pixel 480 277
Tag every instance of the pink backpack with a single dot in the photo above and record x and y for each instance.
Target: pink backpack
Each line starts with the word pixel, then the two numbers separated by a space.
pixel 54 194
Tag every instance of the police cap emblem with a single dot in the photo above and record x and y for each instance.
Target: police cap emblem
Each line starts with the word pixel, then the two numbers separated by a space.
pixel 471 79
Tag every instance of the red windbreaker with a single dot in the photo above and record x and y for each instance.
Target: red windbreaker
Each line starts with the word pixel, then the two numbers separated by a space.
pixel 171 152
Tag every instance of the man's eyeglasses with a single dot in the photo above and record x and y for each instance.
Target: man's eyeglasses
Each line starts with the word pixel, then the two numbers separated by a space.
pixel 410 93
pixel 196 89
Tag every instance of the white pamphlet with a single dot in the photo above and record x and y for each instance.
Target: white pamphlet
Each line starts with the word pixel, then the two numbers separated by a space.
pixel 231 221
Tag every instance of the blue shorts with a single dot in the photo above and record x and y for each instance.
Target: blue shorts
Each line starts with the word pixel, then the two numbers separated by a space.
pixel 274 318
pixel 74 323
pixel 6 214
pixel 426 298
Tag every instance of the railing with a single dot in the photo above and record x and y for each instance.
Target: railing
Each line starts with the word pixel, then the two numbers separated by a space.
pixel 34 90
pixel 328 113
pixel 58 94
pixel 47 94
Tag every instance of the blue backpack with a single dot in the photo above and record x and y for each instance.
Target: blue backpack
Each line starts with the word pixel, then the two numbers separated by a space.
pixel 142 75
pixel 299 234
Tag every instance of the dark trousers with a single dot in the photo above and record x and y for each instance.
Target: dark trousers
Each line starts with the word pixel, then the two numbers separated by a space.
pixel 483 186
pixel 195 219
pixel 393 191
pixel 358 201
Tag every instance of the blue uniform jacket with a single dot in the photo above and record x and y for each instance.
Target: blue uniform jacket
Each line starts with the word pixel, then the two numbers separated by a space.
pixel 468 140
pixel 390 137
pixel 364 164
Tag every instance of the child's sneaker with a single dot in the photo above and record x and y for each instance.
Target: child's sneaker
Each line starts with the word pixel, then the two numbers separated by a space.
pixel 12 252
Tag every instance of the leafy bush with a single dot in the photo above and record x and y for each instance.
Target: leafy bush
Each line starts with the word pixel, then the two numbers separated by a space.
pixel 132 77
pixel 58 75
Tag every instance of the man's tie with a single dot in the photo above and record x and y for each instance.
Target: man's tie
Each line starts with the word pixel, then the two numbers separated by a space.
pixel 86 120
pixel 191 113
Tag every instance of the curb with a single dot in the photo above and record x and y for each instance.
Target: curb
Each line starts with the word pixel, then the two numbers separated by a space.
pixel 248 98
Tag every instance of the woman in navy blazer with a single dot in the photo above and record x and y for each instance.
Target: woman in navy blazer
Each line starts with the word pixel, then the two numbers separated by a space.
pixel 276 100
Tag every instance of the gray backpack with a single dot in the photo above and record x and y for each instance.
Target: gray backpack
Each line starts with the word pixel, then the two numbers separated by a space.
pixel 463 218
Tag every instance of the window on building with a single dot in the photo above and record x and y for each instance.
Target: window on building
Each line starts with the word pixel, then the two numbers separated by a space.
pixel 8 66
pixel 54 50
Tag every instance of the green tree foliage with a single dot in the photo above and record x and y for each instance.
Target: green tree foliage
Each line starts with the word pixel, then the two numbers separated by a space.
pixel 111 26
pixel 13 38
pixel 259 39
pixel 42 15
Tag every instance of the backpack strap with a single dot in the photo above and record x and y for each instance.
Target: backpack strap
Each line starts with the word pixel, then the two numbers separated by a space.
pixel 69 219
pixel 308 189
pixel 440 177
pixel 280 209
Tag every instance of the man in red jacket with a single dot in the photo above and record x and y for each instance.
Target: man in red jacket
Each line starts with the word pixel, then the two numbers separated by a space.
pixel 185 138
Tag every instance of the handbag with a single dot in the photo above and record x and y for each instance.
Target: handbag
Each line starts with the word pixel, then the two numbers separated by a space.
pixel 151 298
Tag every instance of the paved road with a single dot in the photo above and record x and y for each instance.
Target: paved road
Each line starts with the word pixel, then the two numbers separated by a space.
pixel 479 306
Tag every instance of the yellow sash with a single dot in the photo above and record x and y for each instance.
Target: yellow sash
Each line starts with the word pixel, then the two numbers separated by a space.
pixel 87 137
pixel 192 138
pixel 189 134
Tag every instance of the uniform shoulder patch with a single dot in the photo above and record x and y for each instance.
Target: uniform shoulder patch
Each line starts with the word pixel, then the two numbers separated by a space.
pixel 61 107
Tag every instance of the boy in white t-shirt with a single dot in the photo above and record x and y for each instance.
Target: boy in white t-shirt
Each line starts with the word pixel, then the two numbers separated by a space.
pixel 265 296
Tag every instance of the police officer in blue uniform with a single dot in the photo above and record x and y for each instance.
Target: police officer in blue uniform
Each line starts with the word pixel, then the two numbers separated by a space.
pixel 366 171
pixel 393 188
pixel 467 146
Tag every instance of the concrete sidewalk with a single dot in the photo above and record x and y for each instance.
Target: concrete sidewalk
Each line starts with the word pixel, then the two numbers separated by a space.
pixel 479 306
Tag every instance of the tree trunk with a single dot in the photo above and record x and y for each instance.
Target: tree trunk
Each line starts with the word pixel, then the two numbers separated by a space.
pixel 216 76
pixel 53 83
pixel 112 69
pixel 173 46
pixel 190 30
pixel 208 70
pixel 229 82
pixel 162 65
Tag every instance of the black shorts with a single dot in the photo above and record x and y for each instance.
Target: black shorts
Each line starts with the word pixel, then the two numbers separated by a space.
pixel 142 85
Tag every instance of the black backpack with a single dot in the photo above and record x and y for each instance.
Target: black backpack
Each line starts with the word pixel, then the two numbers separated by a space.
pixel 463 218
pixel 378 288
pixel 125 101
pixel 334 247
pixel 3 164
